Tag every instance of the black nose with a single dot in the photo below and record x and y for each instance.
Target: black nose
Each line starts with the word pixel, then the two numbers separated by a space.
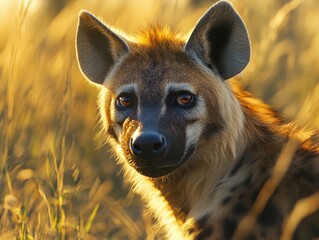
pixel 148 145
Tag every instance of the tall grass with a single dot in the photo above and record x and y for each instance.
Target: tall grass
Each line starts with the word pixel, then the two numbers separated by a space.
pixel 55 183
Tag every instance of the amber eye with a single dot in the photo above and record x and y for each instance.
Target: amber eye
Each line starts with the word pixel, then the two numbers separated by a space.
pixel 124 102
pixel 185 99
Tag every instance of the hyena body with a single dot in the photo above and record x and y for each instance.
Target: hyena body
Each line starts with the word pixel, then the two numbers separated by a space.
pixel 194 145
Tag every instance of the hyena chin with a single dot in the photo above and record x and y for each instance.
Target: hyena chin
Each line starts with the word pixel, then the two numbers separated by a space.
pixel 195 146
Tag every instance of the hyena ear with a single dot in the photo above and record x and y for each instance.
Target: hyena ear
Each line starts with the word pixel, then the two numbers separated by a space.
pixel 97 47
pixel 220 40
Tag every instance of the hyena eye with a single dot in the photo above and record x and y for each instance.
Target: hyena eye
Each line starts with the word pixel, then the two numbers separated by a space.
pixel 184 99
pixel 124 102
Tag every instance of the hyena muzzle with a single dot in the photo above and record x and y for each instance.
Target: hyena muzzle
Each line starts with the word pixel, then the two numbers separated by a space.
pixel 194 145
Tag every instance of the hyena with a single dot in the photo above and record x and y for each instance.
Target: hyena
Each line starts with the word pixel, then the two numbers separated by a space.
pixel 195 145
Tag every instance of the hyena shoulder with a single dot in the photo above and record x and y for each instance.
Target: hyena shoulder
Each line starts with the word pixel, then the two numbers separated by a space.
pixel 282 159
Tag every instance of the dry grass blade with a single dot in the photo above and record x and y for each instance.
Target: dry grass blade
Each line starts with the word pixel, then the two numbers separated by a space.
pixel 302 209
pixel 89 222
pixel 10 85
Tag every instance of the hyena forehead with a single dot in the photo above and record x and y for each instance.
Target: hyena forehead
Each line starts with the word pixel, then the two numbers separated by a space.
pixel 154 67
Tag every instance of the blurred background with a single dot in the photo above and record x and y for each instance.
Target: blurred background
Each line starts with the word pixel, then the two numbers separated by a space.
pixel 57 181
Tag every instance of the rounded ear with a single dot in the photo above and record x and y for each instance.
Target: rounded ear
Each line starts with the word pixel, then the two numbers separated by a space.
pixel 220 40
pixel 97 47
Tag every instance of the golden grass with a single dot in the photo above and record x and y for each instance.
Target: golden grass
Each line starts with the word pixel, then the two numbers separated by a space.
pixel 54 183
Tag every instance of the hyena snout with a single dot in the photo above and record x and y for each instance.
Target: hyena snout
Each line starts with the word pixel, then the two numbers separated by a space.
pixel 148 145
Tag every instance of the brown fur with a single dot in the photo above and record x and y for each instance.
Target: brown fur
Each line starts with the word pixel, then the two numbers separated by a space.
pixel 234 156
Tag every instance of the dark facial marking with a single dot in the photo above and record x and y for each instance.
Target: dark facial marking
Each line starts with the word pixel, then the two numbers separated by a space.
pixel 210 130
pixel 189 152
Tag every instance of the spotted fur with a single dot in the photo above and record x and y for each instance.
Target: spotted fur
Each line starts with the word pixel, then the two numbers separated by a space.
pixel 221 150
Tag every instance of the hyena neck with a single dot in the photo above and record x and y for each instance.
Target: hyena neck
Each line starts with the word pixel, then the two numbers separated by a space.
pixel 197 184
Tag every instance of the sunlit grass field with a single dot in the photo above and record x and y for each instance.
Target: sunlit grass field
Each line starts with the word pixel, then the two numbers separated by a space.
pixel 57 181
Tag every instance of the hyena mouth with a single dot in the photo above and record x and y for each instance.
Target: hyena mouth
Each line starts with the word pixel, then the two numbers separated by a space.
pixel 156 168
pixel 154 154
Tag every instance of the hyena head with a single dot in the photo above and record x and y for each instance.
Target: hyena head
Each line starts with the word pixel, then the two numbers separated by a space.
pixel 161 95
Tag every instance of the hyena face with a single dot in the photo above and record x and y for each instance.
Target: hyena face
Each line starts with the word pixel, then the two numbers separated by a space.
pixel 159 98
pixel 158 115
